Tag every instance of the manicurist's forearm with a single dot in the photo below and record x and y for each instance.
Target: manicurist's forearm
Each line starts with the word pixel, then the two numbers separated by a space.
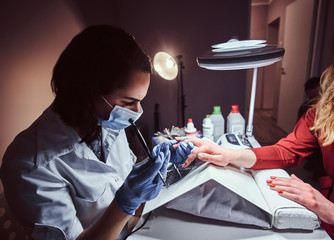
pixel 109 225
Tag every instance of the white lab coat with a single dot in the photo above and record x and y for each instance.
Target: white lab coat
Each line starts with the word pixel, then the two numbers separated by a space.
pixel 54 184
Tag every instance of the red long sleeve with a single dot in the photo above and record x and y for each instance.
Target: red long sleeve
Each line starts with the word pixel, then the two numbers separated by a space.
pixel 289 151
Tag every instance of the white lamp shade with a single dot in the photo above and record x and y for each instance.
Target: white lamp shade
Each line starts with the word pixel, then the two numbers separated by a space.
pixel 165 65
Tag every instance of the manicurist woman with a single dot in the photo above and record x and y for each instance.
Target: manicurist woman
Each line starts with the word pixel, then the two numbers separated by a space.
pixel 71 174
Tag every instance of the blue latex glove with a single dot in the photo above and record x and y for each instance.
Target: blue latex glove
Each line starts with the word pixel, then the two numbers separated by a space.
pixel 143 183
pixel 183 151
pixel 178 155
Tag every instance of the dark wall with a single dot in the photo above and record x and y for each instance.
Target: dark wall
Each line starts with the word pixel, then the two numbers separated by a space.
pixel 186 28
pixel 35 32
pixel 326 55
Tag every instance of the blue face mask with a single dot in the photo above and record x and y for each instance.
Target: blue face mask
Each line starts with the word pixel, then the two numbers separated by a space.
pixel 119 117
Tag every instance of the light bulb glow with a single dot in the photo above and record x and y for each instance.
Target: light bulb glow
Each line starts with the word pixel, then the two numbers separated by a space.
pixel 165 65
pixel 169 63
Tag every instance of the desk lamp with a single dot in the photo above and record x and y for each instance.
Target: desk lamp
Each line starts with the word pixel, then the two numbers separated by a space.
pixel 170 68
pixel 235 55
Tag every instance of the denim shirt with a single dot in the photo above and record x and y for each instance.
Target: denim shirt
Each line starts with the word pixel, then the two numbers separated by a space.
pixel 55 185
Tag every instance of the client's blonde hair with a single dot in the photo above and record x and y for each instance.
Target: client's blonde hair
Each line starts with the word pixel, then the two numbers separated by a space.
pixel 324 113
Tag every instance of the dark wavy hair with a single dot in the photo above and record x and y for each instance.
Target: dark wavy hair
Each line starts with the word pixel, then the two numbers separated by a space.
pixel 97 61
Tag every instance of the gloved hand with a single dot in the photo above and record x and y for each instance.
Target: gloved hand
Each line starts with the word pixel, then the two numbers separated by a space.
pixel 143 183
pixel 182 152
pixel 177 155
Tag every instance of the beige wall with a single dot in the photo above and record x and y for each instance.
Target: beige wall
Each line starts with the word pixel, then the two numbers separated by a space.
pixel 32 37
pixel 268 82
pixel 297 41
pixel 258 28
pixel 277 10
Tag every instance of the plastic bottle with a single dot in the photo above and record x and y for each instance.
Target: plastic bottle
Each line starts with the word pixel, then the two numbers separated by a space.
pixel 218 123
pixel 235 122
pixel 207 127
pixel 190 129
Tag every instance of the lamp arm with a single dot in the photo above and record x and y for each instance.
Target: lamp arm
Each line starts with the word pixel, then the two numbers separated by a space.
pixel 249 131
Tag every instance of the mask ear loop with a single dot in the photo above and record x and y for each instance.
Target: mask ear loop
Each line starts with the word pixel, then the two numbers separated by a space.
pixel 107 102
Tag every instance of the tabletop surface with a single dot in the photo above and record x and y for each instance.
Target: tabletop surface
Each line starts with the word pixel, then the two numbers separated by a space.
pixel 171 224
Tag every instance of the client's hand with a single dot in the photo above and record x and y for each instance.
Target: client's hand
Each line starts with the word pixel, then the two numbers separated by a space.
pixel 206 151
pixel 143 183
pixel 209 151
pixel 179 151
pixel 296 190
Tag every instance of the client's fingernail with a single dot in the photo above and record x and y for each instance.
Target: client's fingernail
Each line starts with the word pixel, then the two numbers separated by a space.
pixel 272 177
pixel 272 185
pixel 269 181
pixel 280 191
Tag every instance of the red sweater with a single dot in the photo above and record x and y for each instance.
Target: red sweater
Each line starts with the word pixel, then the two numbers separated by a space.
pixel 291 151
